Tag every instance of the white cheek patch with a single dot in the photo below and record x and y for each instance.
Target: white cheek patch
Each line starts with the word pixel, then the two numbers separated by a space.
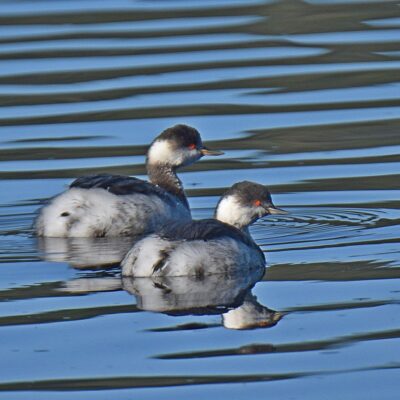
pixel 160 152
pixel 227 209
pixel 232 212
pixel 163 152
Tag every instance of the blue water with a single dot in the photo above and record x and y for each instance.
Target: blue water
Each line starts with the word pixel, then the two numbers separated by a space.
pixel 302 96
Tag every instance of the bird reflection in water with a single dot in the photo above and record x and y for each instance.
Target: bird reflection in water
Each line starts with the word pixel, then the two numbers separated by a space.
pixel 227 295
pixel 85 253
pixel 250 315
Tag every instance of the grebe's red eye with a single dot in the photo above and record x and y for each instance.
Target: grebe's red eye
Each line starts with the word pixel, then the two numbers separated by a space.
pixel 257 203
pixel 192 146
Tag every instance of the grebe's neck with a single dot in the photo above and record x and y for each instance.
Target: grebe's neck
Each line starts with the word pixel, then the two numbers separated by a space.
pixel 165 176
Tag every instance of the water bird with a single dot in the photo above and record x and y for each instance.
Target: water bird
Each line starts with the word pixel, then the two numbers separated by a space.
pixel 116 205
pixel 210 246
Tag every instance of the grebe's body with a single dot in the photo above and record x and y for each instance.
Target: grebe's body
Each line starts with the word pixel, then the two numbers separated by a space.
pixel 109 205
pixel 194 248
pixel 115 205
pixel 212 246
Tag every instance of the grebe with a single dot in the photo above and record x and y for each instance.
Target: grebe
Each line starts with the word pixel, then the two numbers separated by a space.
pixel 116 205
pixel 210 246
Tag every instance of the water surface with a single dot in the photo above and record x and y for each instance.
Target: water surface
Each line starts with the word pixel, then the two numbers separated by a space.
pixel 302 96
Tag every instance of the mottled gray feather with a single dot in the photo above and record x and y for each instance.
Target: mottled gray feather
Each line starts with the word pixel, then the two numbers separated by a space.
pixel 121 185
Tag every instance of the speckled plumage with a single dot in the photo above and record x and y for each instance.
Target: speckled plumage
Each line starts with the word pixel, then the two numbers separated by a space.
pixel 114 205
pixel 122 186
pixel 208 246
pixel 155 256
pixel 205 229
pixel 98 213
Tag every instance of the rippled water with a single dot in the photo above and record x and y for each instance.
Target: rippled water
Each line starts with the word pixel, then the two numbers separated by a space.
pixel 303 96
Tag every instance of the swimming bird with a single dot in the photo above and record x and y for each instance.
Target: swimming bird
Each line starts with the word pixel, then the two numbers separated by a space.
pixel 115 205
pixel 210 246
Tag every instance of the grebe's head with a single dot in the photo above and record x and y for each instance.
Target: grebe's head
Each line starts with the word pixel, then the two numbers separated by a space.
pixel 178 146
pixel 244 203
